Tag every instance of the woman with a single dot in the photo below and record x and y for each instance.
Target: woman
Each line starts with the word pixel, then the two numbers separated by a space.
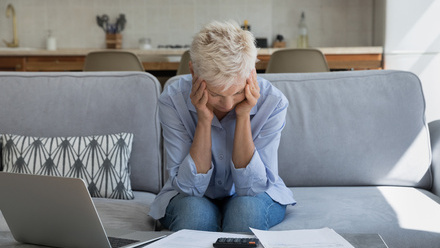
pixel 221 128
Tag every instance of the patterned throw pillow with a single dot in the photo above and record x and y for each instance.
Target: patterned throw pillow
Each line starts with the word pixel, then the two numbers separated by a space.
pixel 1 163
pixel 100 160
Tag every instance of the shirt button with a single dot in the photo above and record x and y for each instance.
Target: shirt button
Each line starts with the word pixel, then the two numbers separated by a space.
pixel 221 156
pixel 219 182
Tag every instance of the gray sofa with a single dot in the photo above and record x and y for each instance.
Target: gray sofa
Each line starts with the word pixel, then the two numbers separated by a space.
pixel 356 150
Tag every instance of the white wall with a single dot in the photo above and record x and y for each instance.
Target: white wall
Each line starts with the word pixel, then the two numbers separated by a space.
pixel 412 43
pixel 73 22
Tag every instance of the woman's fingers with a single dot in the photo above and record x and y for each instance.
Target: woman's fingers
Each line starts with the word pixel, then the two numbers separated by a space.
pixel 195 85
pixel 197 89
pixel 255 86
pixel 199 94
pixel 204 98
pixel 252 82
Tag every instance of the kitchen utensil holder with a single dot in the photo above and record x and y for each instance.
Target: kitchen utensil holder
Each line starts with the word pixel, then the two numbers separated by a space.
pixel 279 44
pixel 113 41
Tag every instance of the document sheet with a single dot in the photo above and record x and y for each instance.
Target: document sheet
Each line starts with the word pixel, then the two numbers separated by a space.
pixel 194 239
pixel 308 238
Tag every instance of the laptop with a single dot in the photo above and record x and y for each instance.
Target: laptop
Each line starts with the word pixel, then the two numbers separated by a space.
pixel 54 211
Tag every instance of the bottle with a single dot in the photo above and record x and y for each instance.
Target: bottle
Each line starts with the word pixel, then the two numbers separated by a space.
pixel 51 42
pixel 246 26
pixel 303 37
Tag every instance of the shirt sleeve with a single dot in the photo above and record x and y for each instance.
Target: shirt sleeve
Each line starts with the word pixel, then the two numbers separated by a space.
pixel 177 142
pixel 262 171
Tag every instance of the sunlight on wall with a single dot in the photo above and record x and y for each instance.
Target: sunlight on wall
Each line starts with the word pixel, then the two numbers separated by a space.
pixel 413 32
pixel 412 43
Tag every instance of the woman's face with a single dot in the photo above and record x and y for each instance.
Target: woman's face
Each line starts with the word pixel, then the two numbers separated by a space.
pixel 222 101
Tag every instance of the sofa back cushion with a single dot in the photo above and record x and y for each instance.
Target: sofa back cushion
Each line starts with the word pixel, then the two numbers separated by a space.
pixel 354 128
pixel 70 104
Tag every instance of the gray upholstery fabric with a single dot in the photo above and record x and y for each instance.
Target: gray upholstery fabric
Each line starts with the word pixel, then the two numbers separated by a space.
pixel 88 103
pixel 119 214
pixel 358 130
pixel 127 214
pixel 403 216
pixel 434 131
pixel 3 225
pixel 354 128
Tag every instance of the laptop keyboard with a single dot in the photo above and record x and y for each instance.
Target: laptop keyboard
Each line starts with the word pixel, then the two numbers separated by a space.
pixel 120 242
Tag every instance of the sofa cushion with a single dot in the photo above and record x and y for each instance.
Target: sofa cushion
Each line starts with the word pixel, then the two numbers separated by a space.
pixel 1 163
pixel 57 104
pixel 101 161
pixel 403 216
pixel 3 225
pixel 119 214
pixel 127 215
pixel 354 128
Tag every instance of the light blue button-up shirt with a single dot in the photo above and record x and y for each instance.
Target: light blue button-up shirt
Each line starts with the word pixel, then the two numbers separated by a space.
pixel 179 119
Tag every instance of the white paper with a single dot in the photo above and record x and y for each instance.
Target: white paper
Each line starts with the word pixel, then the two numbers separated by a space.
pixel 193 239
pixel 312 238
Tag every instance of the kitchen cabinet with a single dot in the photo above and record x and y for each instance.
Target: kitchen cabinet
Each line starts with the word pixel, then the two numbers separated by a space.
pixel 338 58
pixel 41 63
pixel 354 61
pixel 12 63
pixel 54 63
pixel 161 66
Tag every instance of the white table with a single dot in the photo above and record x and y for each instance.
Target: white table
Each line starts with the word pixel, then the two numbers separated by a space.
pixel 357 240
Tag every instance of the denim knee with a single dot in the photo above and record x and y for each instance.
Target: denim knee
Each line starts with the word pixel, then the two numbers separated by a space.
pixel 191 212
pixel 260 211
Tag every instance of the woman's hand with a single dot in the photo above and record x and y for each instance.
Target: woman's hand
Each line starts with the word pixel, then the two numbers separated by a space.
pixel 252 93
pixel 243 149
pixel 200 150
pixel 199 98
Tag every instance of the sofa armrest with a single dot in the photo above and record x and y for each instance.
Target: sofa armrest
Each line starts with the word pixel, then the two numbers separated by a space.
pixel 434 131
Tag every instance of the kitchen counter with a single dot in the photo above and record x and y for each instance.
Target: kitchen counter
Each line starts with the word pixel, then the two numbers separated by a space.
pixel 167 59
pixel 172 52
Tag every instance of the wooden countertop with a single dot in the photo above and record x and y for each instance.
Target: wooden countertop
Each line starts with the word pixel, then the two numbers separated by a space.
pixel 172 52
pixel 166 59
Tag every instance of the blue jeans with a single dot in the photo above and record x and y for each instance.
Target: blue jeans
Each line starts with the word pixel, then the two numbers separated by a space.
pixel 231 214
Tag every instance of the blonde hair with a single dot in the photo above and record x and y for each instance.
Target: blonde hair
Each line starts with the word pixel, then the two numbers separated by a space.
pixel 222 52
